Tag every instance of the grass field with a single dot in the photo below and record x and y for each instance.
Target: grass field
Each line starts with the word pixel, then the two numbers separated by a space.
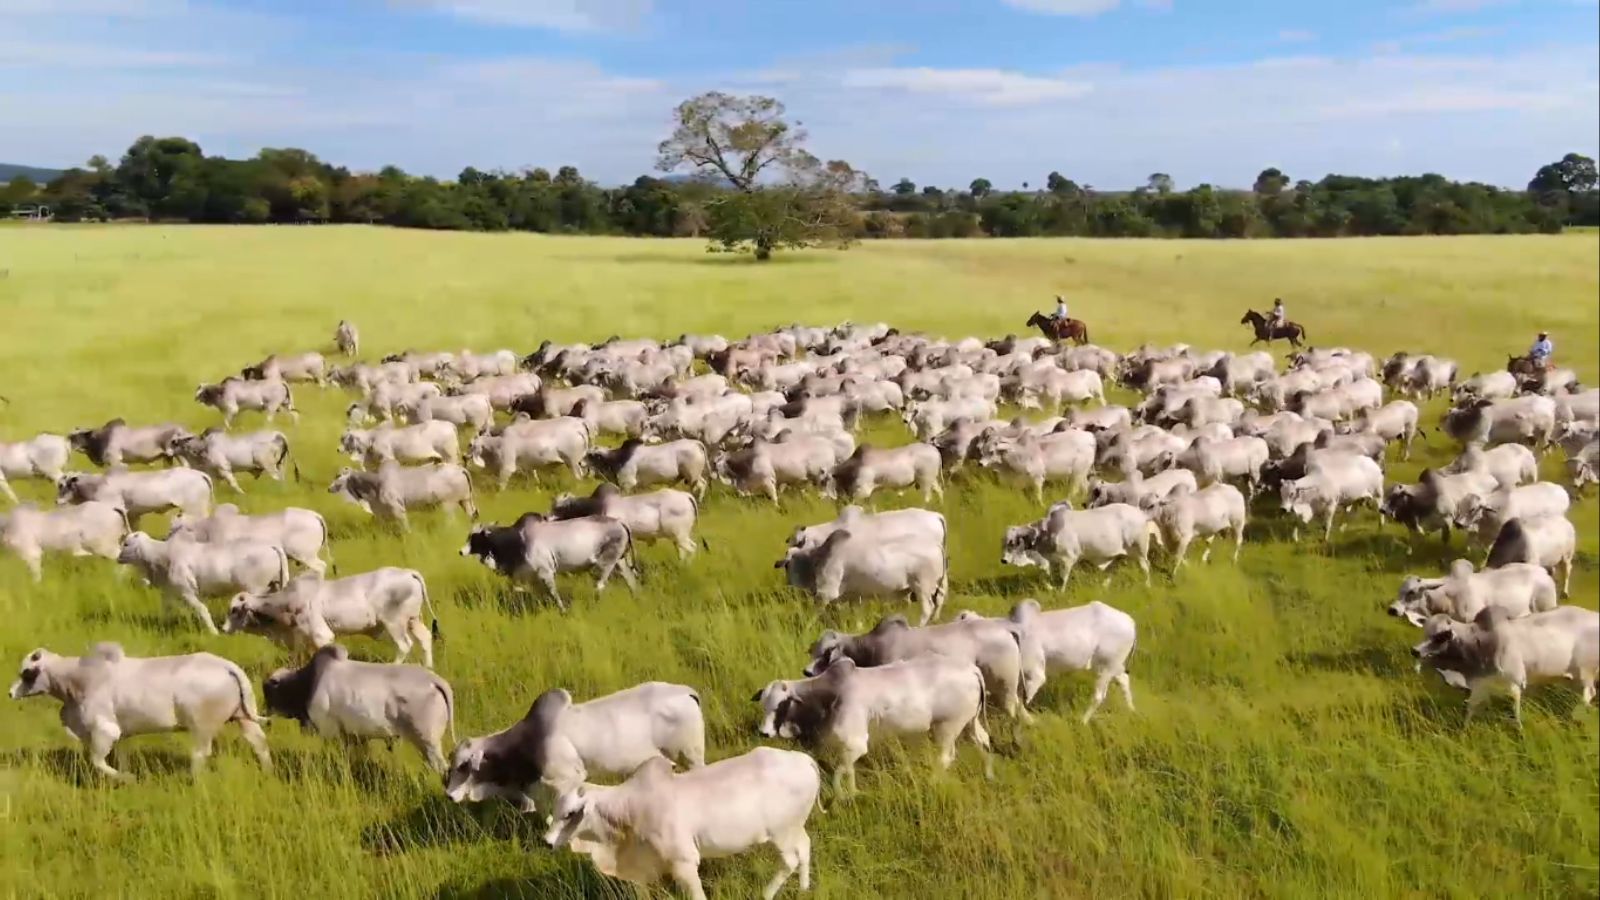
pixel 1283 745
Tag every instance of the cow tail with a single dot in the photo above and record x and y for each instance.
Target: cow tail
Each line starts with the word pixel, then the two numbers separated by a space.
pixel 817 802
pixel 327 543
pixel 472 505
pixel 443 687
pixel 283 569
pixel 627 549
pixel 695 501
pixel 247 696
pixel 433 626
pixel 294 464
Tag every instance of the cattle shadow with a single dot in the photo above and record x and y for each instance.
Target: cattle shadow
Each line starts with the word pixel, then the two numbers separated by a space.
pixel 69 765
pixel 1368 660
pixel 440 822
pixel 573 878
pixel 1010 584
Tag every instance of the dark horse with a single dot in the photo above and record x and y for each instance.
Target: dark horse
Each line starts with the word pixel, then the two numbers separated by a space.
pixel 1524 366
pixel 1266 331
pixel 1058 330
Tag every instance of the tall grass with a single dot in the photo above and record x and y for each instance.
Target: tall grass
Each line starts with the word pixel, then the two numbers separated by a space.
pixel 1282 746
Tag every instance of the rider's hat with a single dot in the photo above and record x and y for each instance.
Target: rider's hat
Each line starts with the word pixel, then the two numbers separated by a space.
pixel 1544 334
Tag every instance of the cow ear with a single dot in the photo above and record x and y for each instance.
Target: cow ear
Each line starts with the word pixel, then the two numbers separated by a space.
pixel 756 697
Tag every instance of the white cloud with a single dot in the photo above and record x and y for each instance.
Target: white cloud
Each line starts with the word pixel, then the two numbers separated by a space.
pixel 113 8
pixel 16 54
pixel 1068 7
pixel 985 87
pixel 1296 36
pixel 560 15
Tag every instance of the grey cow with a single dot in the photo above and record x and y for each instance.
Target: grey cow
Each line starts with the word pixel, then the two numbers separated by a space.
pixel 222 455
pixel 188 571
pixel 234 395
pixel 86 529
pixel 107 695
pixel 537 549
pixel 302 533
pixel 338 697
pixel 42 456
pixel 389 492
pixel 312 612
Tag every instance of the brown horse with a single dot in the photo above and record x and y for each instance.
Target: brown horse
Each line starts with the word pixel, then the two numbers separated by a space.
pixel 1266 331
pixel 1058 329
pixel 1524 366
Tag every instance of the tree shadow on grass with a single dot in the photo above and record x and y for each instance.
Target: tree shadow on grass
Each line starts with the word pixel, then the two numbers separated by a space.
pixel 574 879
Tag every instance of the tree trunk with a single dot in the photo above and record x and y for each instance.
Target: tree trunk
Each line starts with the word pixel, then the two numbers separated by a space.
pixel 763 249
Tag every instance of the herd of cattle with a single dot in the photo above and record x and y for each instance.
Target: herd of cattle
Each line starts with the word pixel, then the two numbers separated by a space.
pixel 1215 436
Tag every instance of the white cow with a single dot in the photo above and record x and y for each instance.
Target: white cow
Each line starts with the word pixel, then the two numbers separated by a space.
pixel 1093 637
pixel 1065 536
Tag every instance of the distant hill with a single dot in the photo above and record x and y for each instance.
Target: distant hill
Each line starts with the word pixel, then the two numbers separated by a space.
pixel 39 175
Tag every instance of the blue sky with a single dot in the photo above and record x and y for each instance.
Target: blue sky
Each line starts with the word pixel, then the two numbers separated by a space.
pixel 940 91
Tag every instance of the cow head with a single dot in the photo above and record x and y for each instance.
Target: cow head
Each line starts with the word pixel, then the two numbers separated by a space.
pixel 1294 500
pixel 1470 511
pixel 209 394
pixel 34 676
pixel 1411 603
pixel 137 548
pixel 824 652
pixel 776 699
pixel 288 691
pixel 1019 547
pixel 258 614
pixel 354 442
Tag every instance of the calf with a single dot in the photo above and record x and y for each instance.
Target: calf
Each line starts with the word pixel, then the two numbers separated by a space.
pixel 91 528
pixel 1066 536
pixel 346 339
pixel 1394 421
pixel 1506 654
pixel 471 411
pixel 221 455
pixel 793 459
pixel 186 570
pixel 1325 492
pixel 994 647
pixel 424 442
pixel 43 456
pixel 339 697
pixel 232 395
pixel 107 695
pixel 537 549
pixel 1186 515
pixel 309 366
pixel 312 612
pixel 838 710
pixel 526 445
pixel 665 514
pixel 1093 637
pixel 1547 541
pixel 1487 513
pixel 658 823
pixel 137 493
pixel 915 524
pixel 392 490
pixel 1064 455
pixel 1515 588
pixel 302 533
pixel 1509 464
pixel 390 399
pixel 558 744
pixel 116 442
pixel 636 464
pixel 1521 420
pixel 849 565
pixel 869 468
pixel 1135 488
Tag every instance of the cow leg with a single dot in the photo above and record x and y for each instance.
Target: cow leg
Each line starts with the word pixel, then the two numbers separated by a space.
pixel 257 739
pixel 1121 678
pixel 399 633
pixel 229 480
pixel 846 770
pixel 423 638
pixel 1478 697
pixel 1102 684
pixel 1144 562
pixel 1205 555
pixel 793 848
pixel 202 740
pixel 1327 532
pixel 547 578
pixel 34 560
pixel 1514 688
pixel 1566 578
pixel 686 873
pixel 629 577
pixel 684 541
pixel 1181 552
pixel 5 488
pixel 199 609
pixel 1066 570
pixel 102 737
pixel 1238 541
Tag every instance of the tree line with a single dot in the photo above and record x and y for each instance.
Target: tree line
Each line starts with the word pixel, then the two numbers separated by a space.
pixel 753 186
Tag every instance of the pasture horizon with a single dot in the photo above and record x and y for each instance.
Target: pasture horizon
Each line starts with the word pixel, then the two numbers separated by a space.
pixel 1283 746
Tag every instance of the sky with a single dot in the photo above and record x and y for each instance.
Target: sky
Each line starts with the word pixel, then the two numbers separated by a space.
pixel 939 91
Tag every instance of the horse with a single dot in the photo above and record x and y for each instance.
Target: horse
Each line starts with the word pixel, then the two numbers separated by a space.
pixel 1060 329
pixel 1525 366
pixel 1266 331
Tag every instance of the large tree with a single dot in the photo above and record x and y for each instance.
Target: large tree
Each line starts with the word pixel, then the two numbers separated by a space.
pixel 779 195
pixel 1572 174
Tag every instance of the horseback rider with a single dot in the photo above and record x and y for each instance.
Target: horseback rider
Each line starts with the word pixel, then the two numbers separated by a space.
pixel 1541 351
pixel 1277 317
pixel 1060 315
